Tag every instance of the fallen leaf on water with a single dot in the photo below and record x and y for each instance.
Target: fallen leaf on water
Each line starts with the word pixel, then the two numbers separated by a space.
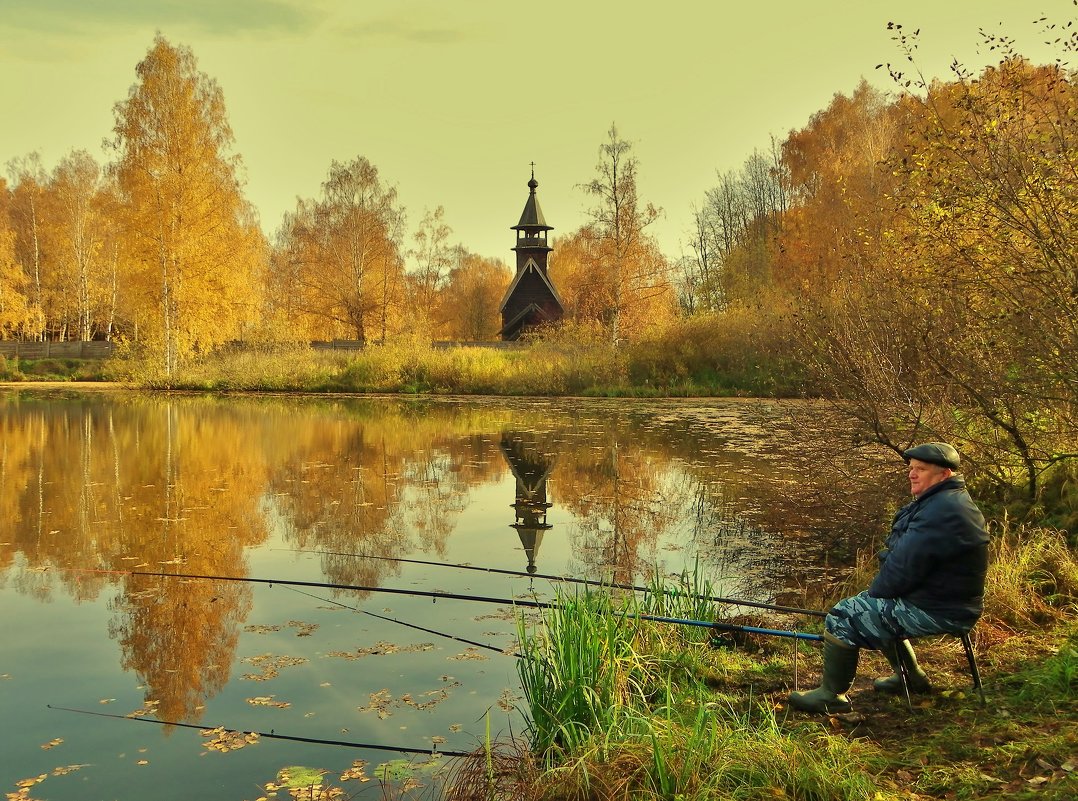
pixel 224 740
pixel 149 707
pixel 356 772
pixel 270 665
pixel 469 653
pixel 456 727
pixel 66 769
pixel 267 700
pixel 382 648
pixel 55 741
pixel 507 700
pixel 305 629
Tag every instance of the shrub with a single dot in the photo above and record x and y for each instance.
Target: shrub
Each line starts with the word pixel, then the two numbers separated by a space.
pixel 742 350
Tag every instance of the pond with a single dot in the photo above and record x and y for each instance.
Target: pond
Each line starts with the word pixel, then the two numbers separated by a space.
pixel 397 497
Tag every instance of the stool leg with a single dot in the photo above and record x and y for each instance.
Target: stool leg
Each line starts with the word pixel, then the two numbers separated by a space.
pixel 976 674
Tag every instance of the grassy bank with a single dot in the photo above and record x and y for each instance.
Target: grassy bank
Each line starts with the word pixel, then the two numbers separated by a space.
pixel 692 359
pixel 621 709
pixel 12 369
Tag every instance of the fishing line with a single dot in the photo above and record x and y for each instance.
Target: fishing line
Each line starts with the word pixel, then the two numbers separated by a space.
pixel 552 577
pixel 494 648
pixel 435 595
pixel 270 734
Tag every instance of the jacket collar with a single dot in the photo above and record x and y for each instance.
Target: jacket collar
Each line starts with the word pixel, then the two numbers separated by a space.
pixel 954 482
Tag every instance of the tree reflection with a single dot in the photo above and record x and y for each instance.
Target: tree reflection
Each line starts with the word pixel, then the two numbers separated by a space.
pixel 614 487
pixel 142 484
pixel 379 481
pixel 188 484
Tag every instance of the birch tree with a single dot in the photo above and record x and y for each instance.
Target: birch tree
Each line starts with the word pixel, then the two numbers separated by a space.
pixel 13 283
pixel 28 190
pixel 431 258
pixel 79 234
pixel 625 257
pixel 469 301
pixel 191 240
pixel 339 255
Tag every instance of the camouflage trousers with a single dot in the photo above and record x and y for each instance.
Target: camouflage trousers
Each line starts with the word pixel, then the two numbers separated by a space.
pixel 866 622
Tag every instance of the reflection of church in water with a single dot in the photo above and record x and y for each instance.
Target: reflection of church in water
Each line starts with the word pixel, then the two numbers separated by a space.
pixel 531 465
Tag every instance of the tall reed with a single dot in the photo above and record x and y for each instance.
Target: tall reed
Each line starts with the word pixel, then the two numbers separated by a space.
pixel 578 671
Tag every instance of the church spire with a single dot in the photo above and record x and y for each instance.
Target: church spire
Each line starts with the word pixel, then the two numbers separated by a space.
pixel 532 224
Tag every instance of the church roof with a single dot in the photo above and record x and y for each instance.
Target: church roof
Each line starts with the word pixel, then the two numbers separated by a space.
pixel 531 266
pixel 532 216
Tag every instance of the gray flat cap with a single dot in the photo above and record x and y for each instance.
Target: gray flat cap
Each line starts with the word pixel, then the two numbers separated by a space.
pixel 934 453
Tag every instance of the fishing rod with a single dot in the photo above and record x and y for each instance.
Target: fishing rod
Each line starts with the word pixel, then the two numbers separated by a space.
pixel 269 735
pixel 436 595
pixel 494 648
pixel 552 577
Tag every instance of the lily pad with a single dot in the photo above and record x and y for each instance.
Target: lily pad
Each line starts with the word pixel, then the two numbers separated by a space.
pixel 297 776
pixel 402 769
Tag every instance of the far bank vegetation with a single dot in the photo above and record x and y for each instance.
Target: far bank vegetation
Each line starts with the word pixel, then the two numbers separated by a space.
pixel 911 254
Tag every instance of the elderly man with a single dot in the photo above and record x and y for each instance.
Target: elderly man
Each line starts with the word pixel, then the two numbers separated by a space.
pixel 930 581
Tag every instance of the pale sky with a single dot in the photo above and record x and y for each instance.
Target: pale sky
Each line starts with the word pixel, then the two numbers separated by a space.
pixel 452 100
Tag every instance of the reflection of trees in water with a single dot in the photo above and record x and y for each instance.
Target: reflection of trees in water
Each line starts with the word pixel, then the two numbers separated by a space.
pixel 613 485
pixel 742 556
pixel 142 485
pixel 134 481
pixel 384 484
pixel 179 637
pixel 787 469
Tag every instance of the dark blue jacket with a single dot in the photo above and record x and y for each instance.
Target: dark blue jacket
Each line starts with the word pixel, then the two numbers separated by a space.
pixel 936 557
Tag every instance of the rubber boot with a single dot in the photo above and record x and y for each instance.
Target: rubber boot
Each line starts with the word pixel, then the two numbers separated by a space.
pixel 901 653
pixel 839 668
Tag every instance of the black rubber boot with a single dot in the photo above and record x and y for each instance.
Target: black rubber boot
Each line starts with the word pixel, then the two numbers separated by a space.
pixel 839 668
pixel 901 653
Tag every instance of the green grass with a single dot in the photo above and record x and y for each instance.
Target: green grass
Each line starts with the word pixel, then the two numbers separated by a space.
pixel 51 369
pixel 619 708
pixel 571 361
pixel 622 708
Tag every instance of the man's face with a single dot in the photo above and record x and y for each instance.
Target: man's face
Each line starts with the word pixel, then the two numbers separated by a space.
pixel 925 475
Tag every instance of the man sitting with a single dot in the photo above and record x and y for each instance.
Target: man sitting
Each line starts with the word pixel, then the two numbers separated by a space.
pixel 930 581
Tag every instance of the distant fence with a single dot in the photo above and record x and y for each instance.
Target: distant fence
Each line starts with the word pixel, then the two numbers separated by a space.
pixel 355 344
pixel 57 350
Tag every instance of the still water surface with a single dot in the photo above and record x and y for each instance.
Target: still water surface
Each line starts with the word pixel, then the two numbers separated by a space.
pixel 95 486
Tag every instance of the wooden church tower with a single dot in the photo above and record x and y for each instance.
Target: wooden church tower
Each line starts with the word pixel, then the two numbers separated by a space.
pixel 531 299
